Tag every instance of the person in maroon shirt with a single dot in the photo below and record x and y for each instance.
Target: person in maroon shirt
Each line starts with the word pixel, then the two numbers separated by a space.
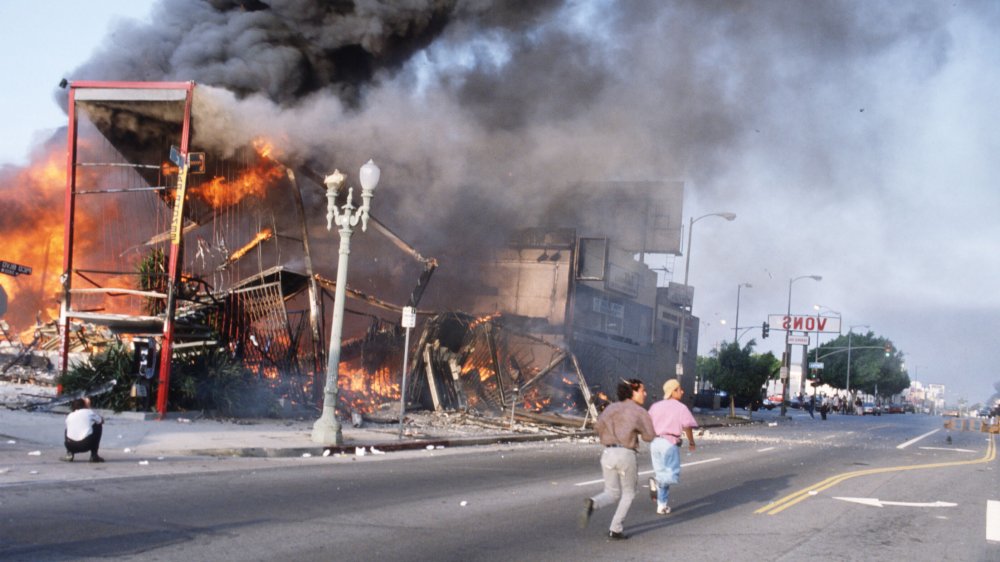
pixel 619 428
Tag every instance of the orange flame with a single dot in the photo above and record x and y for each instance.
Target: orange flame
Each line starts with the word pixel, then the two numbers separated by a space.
pixel 363 391
pixel 219 192
pixel 32 231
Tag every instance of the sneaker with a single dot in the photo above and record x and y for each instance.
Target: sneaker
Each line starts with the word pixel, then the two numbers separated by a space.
pixel 588 509
pixel 664 510
pixel 67 458
pixel 617 536
pixel 95 458
pixel 652 488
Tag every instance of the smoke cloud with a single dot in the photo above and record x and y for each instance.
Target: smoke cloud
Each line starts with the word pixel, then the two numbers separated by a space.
pixel 484 114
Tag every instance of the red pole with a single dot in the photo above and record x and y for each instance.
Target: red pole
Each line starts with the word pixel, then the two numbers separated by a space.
pixel 176 248
pixel 68 223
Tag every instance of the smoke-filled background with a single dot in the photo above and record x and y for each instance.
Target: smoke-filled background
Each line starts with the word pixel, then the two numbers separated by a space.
pixel 854 140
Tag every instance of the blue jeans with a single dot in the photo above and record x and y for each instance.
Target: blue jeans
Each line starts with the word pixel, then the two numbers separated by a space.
pixel 666 458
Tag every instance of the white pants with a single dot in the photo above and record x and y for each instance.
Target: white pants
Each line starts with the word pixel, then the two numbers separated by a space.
pixel 620 475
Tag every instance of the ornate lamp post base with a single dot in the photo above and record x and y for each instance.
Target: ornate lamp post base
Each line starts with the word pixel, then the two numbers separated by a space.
pixel 326 430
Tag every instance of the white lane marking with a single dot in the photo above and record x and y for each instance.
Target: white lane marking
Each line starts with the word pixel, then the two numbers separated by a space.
pixel 766 449
pixel 915 439
pixel 875 502
pixel 948 449
pixel 993 520
pixel 645 472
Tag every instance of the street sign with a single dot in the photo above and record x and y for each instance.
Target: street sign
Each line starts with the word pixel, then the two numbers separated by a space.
pixel 825 324
pixel 816 365
pixel 409 317
pixel 679 369
pixel 14 269
pixel 795 339
pixel 784 373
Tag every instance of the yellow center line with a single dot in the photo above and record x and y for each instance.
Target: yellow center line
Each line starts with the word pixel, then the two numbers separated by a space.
pixel 784 503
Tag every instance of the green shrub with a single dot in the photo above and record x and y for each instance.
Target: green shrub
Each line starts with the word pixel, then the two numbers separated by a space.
pixel 207 380
pixel 212 380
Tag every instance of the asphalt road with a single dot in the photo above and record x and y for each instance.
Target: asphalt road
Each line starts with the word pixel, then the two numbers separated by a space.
pixel 849 488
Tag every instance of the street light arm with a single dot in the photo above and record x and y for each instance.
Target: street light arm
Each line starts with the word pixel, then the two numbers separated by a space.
pixel 788 345
pixel 687 270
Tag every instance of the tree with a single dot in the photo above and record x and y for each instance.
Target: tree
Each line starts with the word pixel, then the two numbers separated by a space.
pixel 876 365
pixel 739 372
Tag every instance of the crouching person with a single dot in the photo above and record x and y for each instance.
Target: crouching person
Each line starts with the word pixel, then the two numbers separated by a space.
pixel 83 431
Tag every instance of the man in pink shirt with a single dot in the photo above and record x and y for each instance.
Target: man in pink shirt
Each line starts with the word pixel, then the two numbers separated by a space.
pixel 670 418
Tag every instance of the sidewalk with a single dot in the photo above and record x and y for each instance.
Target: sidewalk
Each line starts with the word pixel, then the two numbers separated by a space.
pixel 31 443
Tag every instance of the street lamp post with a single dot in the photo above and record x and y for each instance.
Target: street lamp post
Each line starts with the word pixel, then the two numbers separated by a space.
pixel 736 328
pixel 679 369
pixel 850 332
pixel 788 345
pixel 819 312
pixel 327 429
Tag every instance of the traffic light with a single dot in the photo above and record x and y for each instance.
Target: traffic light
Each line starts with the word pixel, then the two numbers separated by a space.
pixel 764 329
pixel 888 349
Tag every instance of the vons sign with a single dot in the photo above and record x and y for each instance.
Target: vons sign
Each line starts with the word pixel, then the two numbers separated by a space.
pixel 825 324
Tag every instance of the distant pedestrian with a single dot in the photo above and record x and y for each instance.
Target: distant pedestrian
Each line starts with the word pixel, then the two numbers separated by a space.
pixel 670 418
pixel 619 427
pixel 84 428
pixel 811 406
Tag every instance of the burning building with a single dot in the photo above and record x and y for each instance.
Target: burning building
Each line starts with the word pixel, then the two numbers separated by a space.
pixel 582 284
pixel 169 236
pixel 173 236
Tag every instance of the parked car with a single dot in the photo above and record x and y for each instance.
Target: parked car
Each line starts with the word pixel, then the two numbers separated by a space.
pixel 870 409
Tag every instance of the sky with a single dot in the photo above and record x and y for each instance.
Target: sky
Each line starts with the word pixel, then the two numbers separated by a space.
pixel 854 140
pixel 42 41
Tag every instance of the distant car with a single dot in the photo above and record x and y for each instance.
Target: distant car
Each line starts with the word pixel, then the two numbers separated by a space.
pixel 894 409
pixel 764 404
pixel 908 407
pixel 870 409
pixel 951 413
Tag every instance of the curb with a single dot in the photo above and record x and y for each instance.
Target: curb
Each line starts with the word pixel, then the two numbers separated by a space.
pixel 350 448
pixel 394 446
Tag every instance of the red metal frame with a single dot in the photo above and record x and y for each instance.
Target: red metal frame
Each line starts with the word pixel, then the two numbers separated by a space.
pixel 176 246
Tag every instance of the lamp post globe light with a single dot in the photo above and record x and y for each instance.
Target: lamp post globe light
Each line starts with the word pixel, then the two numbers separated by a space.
pixel 327 430
pixel 788 346
pixel 687 269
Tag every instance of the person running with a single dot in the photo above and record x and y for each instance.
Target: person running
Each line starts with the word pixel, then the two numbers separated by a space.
pixel 670 417
pixel 83 431
pixel 619 428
